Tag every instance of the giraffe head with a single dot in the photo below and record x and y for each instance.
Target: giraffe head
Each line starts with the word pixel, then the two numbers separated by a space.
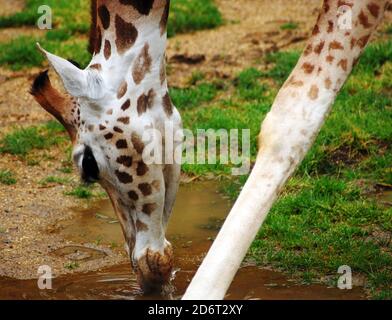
pixel 107 108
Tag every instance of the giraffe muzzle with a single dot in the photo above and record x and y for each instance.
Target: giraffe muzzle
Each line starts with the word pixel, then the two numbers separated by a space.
pixel 154 269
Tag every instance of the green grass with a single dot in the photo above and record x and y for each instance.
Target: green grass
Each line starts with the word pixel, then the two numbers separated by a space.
pixel 7 177
pixel 81 192
pixel 192 15
pixel 193 96
pixel 72 18
pixel 54 180
pixel 22 141
pixel 289 26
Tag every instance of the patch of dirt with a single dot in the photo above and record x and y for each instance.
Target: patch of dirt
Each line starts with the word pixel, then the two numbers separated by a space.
pixel 252 29
pixel 8 7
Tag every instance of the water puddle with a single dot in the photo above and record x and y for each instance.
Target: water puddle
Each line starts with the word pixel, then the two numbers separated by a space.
pixel 198 214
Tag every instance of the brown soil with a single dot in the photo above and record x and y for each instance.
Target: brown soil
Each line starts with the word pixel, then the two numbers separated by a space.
pixel 29 212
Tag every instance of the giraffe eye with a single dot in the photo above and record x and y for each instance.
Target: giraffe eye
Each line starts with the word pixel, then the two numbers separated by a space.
pixel 90 168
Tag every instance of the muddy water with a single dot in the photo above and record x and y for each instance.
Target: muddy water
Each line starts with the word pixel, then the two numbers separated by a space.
pixel 197 217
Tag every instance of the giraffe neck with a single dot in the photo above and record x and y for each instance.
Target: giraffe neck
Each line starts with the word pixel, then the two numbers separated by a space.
pixel 129 42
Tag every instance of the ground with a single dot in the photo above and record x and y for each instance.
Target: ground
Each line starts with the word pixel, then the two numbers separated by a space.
pixel 221 77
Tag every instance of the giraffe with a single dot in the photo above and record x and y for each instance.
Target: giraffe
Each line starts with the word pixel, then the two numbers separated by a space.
pixel 288 132
pixel 107 108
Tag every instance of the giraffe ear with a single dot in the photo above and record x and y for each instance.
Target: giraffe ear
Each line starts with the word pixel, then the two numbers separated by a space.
pixel 77 82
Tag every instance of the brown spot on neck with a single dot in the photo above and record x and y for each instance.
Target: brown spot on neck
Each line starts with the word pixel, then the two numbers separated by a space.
pixel 124 120
pixel 335 45
pixel 96 66
pixel 343 64
pixel 140 226
pixel 165 18
pixel 125 160
pixel 330 26
pixel 142 65
pixel 107 50
pixel 319 47
pixel 121 144
pixel 123 177
pixel 374 9
pixel 145 102
pixel 142 6
pixel 133 195
pixel 141 169
pixel 122 90
pixel 126 34
pixel 162 70
pixel 104 16
pixel 145 189
pixel 118 130
pixel 126 105
pixel 149 208
pixel 167 104
pixel 137 143
pixel 364 20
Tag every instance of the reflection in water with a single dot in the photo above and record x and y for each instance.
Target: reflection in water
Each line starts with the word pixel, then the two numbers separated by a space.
pixel 198 214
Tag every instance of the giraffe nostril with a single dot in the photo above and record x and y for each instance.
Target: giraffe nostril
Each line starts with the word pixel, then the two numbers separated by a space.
pixel 90 172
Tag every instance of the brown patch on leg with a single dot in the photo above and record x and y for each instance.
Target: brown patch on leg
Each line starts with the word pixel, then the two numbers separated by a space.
pixel 328 83
pixel 295 83
pixel 308 68
pixel 313 92
pixel 343 64
pixel 126 34
pixel 319 47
